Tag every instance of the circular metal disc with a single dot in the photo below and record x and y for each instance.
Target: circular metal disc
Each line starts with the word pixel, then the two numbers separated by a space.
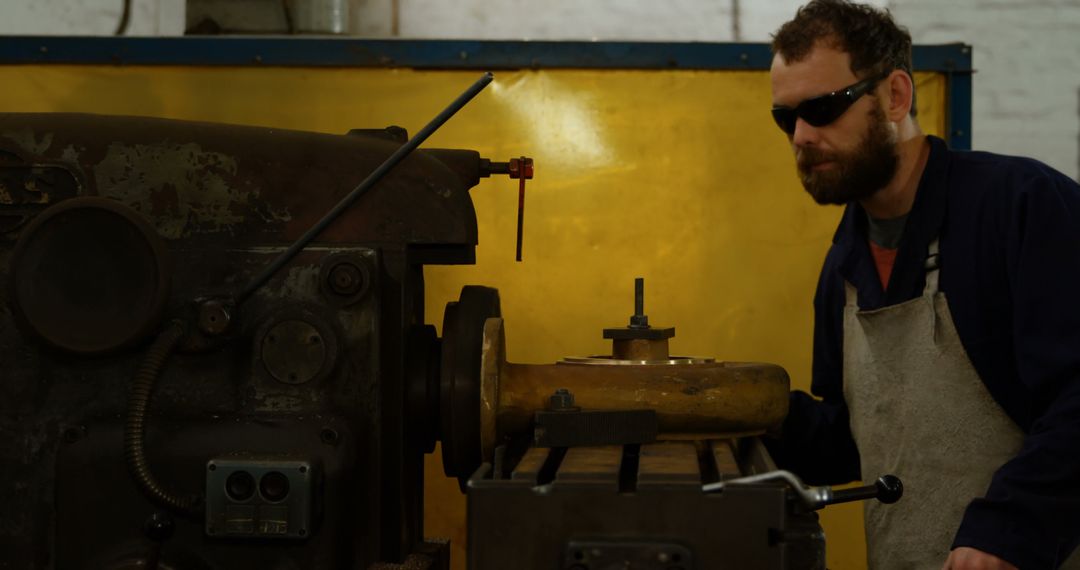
pixel 462 344
pixel 294 352
pixel 89 275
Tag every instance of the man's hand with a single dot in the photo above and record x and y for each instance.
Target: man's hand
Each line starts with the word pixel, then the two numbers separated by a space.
pixel 965 558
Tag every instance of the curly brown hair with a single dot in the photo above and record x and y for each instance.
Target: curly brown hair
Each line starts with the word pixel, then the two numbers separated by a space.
pixel 876 44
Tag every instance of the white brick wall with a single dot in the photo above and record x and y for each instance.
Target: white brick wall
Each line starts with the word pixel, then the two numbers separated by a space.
pixel 1027 60
pixel 684 20
pixel 90 17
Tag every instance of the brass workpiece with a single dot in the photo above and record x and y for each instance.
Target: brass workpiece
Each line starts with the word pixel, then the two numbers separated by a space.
pixel 718 398
pixel 639 349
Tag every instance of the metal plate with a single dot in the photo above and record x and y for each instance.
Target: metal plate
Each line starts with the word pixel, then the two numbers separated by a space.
pixel 463 331
pixel 276 502
pixel 89 275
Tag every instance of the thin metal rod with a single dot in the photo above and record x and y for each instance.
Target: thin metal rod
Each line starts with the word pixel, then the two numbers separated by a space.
pixel 364 186
pixel 521 209
pixel 639 296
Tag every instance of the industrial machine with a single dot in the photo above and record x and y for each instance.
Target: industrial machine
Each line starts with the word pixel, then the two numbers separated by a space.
pixel 215 355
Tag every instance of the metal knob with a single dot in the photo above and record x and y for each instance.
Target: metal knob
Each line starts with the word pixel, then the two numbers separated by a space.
pixel 888 489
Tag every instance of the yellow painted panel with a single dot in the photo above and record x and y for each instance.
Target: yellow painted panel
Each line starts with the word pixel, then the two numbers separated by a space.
pixel 676 176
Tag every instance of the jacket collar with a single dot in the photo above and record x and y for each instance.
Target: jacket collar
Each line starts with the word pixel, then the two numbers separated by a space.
pixel 924 224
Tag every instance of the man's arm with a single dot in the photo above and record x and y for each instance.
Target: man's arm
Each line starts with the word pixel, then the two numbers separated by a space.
pixel 965 558
pixel 1030 515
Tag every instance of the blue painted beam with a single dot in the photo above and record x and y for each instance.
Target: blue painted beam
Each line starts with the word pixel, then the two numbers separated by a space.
pixel 438 54
pixel 293 51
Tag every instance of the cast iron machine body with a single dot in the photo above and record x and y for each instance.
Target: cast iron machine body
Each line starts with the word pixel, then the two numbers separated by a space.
pixel 284 432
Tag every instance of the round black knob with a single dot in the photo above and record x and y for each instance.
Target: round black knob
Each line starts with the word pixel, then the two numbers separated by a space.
pixel 159 527
pixel 889 489
pixel 274 486
pixel 240 486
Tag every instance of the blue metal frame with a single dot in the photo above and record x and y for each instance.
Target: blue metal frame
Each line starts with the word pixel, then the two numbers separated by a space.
pixel 952 59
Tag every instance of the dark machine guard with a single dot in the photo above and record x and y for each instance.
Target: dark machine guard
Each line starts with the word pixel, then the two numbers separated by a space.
pixel 288 431
pixel 112 227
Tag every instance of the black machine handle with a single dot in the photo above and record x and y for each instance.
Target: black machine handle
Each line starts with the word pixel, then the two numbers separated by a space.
pixel 888 489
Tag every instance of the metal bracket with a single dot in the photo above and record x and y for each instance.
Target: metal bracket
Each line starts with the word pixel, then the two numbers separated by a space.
pixel 594 427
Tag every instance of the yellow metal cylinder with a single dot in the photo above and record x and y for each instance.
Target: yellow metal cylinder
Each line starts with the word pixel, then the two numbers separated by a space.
pixel 704 400
pixel 639 349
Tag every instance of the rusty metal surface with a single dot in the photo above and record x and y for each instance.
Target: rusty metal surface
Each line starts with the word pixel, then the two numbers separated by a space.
pixel 224 201
pixel 206 181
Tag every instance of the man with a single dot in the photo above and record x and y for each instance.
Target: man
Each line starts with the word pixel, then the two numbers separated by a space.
pixel 947 314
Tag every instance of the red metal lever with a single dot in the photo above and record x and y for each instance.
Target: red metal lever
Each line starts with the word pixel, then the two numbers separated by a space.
pixel 522 169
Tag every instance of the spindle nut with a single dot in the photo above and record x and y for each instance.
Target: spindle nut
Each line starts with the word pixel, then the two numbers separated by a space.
pixel 215 315
pixel 562 401
pixel 346 279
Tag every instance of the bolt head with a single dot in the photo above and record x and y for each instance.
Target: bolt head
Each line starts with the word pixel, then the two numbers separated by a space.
pixel 345 279
pixel 214 316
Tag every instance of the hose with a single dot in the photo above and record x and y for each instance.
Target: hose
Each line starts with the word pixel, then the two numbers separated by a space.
pixel 125 19
pixel 135 429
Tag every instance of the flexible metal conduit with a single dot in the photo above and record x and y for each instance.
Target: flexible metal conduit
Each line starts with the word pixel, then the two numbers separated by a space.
pixel 135 429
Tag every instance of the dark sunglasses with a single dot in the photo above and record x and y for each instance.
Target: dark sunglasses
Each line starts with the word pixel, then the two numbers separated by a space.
pixel 823 109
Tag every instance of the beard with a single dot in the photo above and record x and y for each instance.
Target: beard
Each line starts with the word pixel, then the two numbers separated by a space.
pixel 856 174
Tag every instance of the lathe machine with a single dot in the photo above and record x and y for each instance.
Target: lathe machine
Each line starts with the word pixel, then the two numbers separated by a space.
pixel 201 370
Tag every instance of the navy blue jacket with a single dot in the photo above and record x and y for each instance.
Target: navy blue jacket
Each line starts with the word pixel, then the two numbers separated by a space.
pixel 1009 233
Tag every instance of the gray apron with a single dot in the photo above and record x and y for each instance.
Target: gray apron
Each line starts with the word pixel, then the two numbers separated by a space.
pixel 920 411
